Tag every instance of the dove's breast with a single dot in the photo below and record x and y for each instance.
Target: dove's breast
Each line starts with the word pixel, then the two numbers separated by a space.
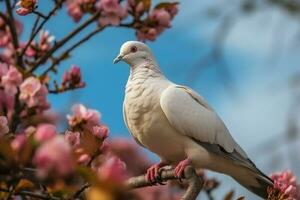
pixel 147 122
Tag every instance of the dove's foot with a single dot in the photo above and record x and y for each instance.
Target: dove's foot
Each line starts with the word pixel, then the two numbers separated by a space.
pixel 179 169
pixel 153 173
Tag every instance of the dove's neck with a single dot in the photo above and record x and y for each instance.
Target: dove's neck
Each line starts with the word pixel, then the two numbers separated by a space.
pixel 145 71
pixel 141 60
pixel 144 67
pixel 145 76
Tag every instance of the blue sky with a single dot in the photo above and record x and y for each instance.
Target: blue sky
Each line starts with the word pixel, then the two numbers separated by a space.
pixel 255 112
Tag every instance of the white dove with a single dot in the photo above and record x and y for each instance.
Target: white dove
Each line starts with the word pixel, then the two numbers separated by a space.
pixel 177 124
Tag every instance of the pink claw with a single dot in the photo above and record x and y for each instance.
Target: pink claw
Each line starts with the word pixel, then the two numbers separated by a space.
pixel 153 172
pixel 179 169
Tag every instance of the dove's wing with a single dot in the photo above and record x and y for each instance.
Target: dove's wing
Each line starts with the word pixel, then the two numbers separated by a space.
pixel 190 115
pixel 126 122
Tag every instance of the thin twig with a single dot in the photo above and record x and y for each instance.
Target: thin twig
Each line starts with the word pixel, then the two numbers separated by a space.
pixel 46 18
pixel 36 22
pixel 194 188
pixel 11 24
pixel 39 14
pixel 81 190
pixel 68 51
pixel 63 41
pixel 60 90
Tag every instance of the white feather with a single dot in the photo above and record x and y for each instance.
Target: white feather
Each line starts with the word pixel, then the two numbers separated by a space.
pixel 189 113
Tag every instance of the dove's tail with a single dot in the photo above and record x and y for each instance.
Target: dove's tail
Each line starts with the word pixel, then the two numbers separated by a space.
pixel 255 181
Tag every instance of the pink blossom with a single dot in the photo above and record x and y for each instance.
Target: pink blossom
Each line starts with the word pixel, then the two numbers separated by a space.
pixel 19 27
pixel 30 87
pixel 55 156
pixel 159 19
pixel 100 132
pixel 72 78
pixel 84 159
pixel 77 8
pixel 161 16
pixel 109 19
pixel 104 147
pixel 113 169
pixel 30 51
pixel 4 37
pixel 3 69
pixel 82 115
pixel 3 126
pixel 127 149
pixel 23 11
pixel 45 40
pixel 11 80
pixel 163 20
pixel 112 12
pixel 4 33
pixel 109 6
pixel 150 34
pixel 74 11
pixel 19 142
pixel 33 93
pixel 45 132
pixel 7 55
pixel 26 6
pixel 73 138
pixel 140 8
pixel 40 47
pixel 286 183
pixel 173 10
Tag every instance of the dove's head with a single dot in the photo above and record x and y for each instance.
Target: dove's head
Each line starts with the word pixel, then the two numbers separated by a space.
pixel 134 53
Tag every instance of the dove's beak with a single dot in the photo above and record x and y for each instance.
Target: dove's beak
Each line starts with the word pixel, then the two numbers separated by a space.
pixel 118 59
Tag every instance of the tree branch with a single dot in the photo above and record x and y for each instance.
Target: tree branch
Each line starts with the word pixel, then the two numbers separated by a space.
pixel 11 25
pixel 62 90
pixel 36 22
pixel 39 14
pixel 63 41
pixel 194 188
pixel 81 190
pixel 68 51
pixel 46 18
pixel 4 17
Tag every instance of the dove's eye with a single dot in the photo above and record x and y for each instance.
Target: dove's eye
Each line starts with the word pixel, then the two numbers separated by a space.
pixel 133 49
